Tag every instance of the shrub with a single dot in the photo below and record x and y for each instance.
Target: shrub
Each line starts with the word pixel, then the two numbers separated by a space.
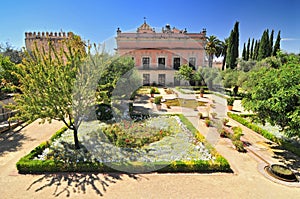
pixel 152 90
pixel 207 122
pixel 157 100
pixel 239 145
pixel 230 101
pixel 225 121
pixel 237 133
pixel 214 115
pixel 285 144
pixel 133 134
pixel 200 115
pixel 201 90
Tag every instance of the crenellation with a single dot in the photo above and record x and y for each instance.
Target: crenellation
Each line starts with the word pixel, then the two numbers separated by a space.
pixel 42 38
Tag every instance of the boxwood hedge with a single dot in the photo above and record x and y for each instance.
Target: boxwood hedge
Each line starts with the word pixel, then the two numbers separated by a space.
pixel 28 164
pixel 281 142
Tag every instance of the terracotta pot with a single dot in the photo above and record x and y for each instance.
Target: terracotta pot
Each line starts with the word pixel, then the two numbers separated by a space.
pixel 201 95
pixel 158 107
pixel 229 108
pixel 152 95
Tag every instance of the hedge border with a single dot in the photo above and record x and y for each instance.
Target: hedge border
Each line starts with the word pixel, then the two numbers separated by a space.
pixel 27 164
pixel 281 142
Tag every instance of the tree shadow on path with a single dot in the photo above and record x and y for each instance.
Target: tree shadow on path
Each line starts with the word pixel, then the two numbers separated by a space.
pixel 287 158
pixel 68 183
pixel 11 141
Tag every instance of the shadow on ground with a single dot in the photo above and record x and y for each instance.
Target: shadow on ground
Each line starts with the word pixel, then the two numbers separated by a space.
pixel 11 141
pixel 70 183
pixel 287 158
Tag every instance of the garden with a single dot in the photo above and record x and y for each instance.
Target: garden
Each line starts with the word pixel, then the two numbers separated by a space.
pixel 167 143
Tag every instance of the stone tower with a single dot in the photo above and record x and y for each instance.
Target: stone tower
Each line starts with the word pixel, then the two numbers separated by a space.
pixel 42 39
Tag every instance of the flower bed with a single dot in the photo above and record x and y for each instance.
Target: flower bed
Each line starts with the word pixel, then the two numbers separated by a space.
pixel 183 150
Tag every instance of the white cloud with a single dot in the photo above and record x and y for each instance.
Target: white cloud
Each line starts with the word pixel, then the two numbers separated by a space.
pixel 290 39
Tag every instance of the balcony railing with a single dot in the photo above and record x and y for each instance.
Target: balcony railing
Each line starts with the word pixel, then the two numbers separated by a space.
pixel 155 67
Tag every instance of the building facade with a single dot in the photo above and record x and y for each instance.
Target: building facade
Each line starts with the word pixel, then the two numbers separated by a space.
pixel 158 55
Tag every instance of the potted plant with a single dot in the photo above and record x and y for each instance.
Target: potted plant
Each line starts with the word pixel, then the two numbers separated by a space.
pixel 225 121
pixel 200 115
pixel 214 115
pixel 157 101
pixel 152 91
pixel 230 103
pixel 207 122
pixel 201 92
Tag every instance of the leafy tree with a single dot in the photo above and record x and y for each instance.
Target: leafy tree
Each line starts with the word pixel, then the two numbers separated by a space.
pixel 57 84
pixel 277 44
pixel 185 73
pixel 234 79
pixel 274 95
pixel 212 48
pixel 211 76
pixel 233 47
pixel 246 66
pixel 8 79
pixel 15 56
pixel 110 75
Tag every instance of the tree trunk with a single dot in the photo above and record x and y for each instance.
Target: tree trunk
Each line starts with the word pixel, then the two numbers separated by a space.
pixel 235 90
pixel 224 62
pixel 76 141
pixel 210 61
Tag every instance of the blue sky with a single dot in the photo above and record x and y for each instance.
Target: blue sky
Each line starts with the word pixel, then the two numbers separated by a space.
pixel 98 20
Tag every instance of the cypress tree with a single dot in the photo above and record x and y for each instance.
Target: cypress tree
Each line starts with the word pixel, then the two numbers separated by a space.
pixel 233 47
pixel 263 51
pixel 244 53
pixel 256 48
pixel 248 50
pixel 251 49
pixel 271 43
pixel 277 44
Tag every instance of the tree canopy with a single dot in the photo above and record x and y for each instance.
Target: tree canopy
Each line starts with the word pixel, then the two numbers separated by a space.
pixel 274 94
pixel 233 47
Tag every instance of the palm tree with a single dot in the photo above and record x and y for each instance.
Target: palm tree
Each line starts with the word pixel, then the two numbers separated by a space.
pixel 212 48
pixel 223 51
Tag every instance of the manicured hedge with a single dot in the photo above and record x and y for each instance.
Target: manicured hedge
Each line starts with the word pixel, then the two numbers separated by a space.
pixel 27 164
pixel 285 144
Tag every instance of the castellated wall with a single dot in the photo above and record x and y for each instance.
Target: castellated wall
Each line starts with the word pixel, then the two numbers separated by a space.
pixel 42 40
